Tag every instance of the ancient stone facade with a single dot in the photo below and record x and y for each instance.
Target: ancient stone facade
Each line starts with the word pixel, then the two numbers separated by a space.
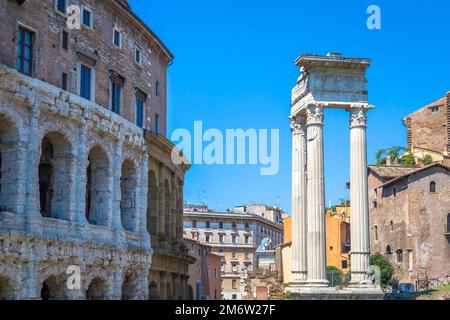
pixel 429 127
pixel 85 185
pixel 410 218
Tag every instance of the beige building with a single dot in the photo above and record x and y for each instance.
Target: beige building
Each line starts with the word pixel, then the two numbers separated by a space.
pixel 235 236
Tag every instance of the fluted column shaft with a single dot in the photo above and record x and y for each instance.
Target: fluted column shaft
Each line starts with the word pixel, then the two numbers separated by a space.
pixel 316 241
pixel 359 220
pixel 299 227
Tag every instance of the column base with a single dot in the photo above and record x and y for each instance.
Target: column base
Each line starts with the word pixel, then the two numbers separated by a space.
pixel 332 293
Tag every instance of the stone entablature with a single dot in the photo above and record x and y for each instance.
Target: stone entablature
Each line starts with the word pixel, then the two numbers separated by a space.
pixel 332 80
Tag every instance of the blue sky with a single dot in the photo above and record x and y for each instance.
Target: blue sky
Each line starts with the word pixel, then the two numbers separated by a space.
pixel 234 68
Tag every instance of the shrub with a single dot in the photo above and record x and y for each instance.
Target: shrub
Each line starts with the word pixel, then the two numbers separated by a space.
pixel 387 271
pixel 334 276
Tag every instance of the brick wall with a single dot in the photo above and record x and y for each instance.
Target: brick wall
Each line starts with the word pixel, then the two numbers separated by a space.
pixel 51 60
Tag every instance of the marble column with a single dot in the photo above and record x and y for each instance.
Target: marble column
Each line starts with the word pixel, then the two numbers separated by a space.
pixel 316 240
pixel 299 227
pixel 359 219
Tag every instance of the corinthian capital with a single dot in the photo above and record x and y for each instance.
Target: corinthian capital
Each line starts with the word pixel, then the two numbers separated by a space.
pixel 298 124
pixel 358 117
pixel 314 115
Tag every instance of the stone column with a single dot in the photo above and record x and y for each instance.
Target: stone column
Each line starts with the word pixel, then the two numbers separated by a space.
pixel 359 219
pixel 81 177
pixel 299 230
pixel 316 240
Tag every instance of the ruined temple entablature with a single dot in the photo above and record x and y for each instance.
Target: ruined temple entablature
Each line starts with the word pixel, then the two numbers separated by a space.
pixel 332 81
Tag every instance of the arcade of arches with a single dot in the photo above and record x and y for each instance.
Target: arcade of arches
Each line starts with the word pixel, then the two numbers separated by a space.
pixel 86 192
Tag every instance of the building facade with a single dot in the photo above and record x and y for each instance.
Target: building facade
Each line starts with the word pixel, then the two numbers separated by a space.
pixel 337 223
pixel 235 236
pixel 410 218
pixel 88 189
pixel 205 276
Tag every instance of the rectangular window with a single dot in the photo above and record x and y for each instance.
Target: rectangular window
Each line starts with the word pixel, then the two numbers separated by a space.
pixel 116 92
pixel 61 6
pixel 344 264
pixel 234 286
pixel 208 224
pixel 65 40
pixel 117 38
pixel 221 238
pixel 157 89
pixel 64 81
pixel 25 52
pixel 85 82
pixel 138 55
pixel 246 239
pixel 221 225
pixel 194 223
pixel 234 254
pixel 87 17
pixel 234 239
pixel 208 238
pixel 157 123
pixel 140 112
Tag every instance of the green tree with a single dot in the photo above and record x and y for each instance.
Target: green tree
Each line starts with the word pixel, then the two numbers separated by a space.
pixel 334 276
pixel 426 159
pixel 387 271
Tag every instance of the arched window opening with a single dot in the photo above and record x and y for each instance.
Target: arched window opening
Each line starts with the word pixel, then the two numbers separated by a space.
pixel 169 292
pixel 399 255
pixel 53 288
pixel 55 176
pixel 167 210
pixel 152 204
pixel 129 286
pixel 8 163
pixel 388 250
pixel 128 204
pixel 46 178
pixel 433 187
pixel 174 215
pixel 153 291
pixel 6 292
pixel 97 188
pixel 98 290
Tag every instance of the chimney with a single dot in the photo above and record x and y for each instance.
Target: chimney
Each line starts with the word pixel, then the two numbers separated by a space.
pixel 389 161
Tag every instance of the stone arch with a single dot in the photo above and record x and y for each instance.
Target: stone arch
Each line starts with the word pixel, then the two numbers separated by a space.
pixel 152 204
pixel 9 137
pixel 55 176
pixel 98 187
pixel 190 293
pixel 167 209
pixel 169 291
pixel 53 288
pixel 128 203
pixel 153 293
pixel 130 285
pixel 97 290
pixel 6 288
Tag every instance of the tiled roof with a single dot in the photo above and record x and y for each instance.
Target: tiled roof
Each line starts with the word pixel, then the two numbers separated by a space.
pixel 416 170
pixel 391 172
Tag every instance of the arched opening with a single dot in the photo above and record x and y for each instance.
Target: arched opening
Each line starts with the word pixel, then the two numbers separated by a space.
pixel 448 223
pixel 55 177
pixel 98 290
pixel 167 209
pixel 8 163
pixel 129 286
pixel 97 187
pixel 388 250
pixel 128 185
pixel 152 204
pixel 53 289
pixel 153 291
pixel 6 291
pixel 190 293
pixel 169 291
pixel 399 255
pixel 433 187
